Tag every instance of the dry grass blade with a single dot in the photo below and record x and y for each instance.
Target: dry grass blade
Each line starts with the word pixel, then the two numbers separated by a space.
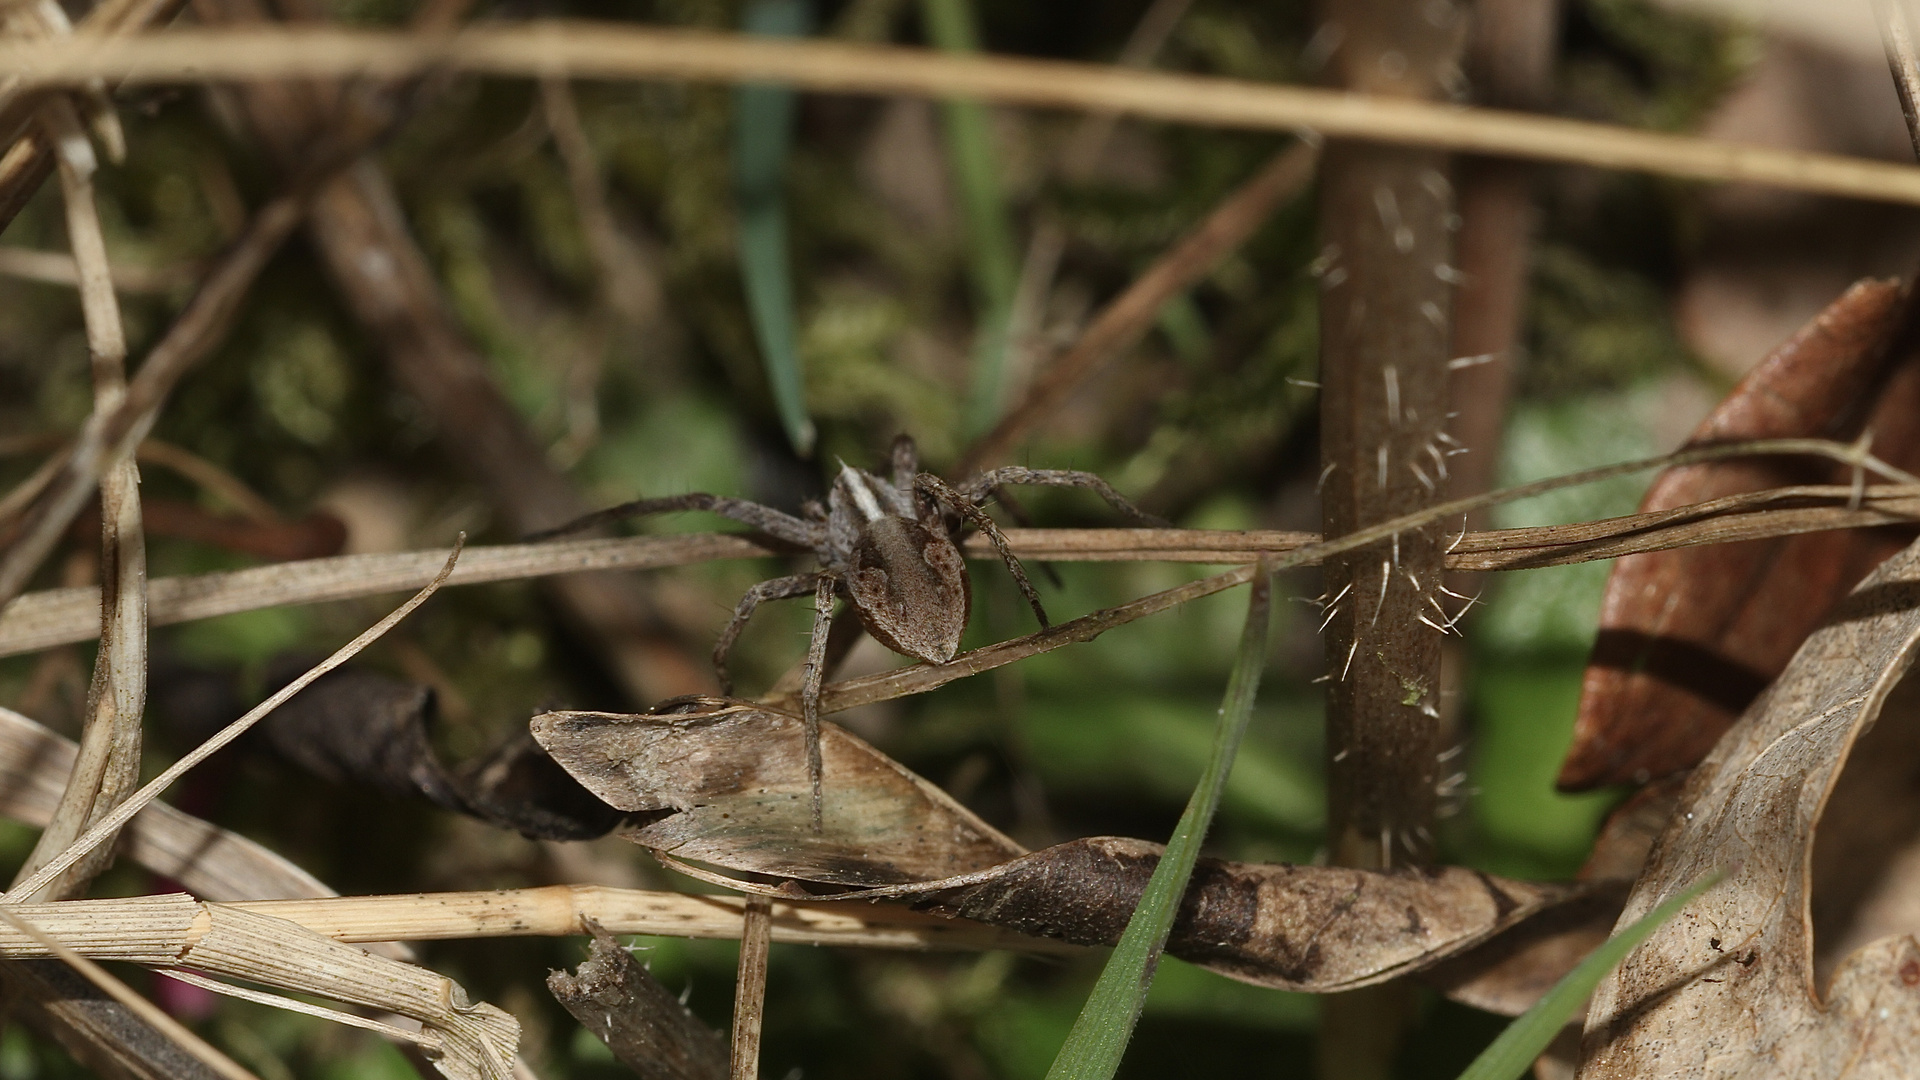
pixel 750 988
pixel 107 826
pixel 467 1040
pixel 585 50
pixel 566 911
pixel 58 268
pixel 212 862
pixel 59 616
pixel 146 1010
pixel 108 766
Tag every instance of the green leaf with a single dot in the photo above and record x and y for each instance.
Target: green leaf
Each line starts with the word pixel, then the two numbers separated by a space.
pixel 762 137
pixel 1513 1053
pixel 976 175
pixel 1099 1037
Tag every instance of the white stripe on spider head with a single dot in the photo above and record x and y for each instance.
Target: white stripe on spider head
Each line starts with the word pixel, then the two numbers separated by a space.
pixel 863 496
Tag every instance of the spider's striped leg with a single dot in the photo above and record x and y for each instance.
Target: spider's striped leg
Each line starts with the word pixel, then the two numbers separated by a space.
pixel 946 496
pixel 986 485
pixel 764 518
pixel 775 589
pixel 810 684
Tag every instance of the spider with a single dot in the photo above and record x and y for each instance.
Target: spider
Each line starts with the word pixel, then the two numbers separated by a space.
pixel 888 546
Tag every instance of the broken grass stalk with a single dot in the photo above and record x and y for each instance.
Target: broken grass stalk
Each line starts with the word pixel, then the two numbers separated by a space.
pixel 110 824
pixel 1100 1034
pixel 122 993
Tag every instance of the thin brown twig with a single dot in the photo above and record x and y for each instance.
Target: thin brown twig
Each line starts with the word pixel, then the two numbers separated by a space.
pixel 920 678
pixel 1897 37
pixel 624 51
pixel 750 987
pixel 62 616
pixel 109 825
pixel 141 1007
pixel 1127 317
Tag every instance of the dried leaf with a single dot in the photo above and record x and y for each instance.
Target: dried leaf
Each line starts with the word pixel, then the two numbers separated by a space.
pixel 360 726
pixel 733 779
pixel 1727 989
pixel 735 775
pixel 1687 638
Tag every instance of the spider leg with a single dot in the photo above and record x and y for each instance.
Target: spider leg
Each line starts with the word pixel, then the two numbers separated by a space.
pixel 987 484
pixel 764 518
pixel 946 496
pixel 906 462
pixel 1021 518
pixel 810 684
pixel 776 589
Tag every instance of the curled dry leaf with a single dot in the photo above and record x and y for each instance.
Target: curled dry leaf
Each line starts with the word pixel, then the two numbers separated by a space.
pixel 1688 637
pixel 1727 988
pixel 359 726
pixel 726 785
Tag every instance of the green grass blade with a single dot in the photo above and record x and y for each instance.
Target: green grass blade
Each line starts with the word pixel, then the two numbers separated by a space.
pixel 1100 1034
pixel 762 137
pixel 994 263
pixel 1524 1040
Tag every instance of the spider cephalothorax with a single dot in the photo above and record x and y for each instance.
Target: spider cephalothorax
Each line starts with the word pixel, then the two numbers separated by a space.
pixel 888 546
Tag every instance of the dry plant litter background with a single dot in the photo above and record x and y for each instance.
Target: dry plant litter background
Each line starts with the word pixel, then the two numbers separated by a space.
pixel 399 303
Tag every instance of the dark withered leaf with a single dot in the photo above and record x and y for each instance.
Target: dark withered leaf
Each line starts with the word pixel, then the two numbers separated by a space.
pixel 1689 637
pixel 1313 928
pixel 357 726
pixel 646 1026
pixel 730 778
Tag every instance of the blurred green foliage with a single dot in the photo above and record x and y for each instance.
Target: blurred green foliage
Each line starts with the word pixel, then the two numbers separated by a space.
pixel 1208 421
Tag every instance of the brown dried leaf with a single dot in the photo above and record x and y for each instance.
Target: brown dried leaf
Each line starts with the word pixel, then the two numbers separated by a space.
pixel 735 776
pixel 1727 989
pixel 1687 638
pixel 732 779
pixel 1318 929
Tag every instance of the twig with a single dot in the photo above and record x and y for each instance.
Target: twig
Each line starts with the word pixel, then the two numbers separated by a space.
pixel 62 616
pixel 141 1007
pixel 107 826
pixel 1128 316
pixel 614 51
pixel 648 1029
pixel 750 987
pixel 1902 60
pixel 58 268
pixel 923 677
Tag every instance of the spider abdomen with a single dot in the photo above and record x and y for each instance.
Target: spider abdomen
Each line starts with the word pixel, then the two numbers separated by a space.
pixel 909 586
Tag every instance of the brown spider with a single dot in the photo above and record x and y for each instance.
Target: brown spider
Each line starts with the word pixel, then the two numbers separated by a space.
pixel 888 546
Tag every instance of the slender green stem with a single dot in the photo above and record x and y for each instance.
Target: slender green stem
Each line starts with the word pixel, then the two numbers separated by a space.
pixel 762 138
